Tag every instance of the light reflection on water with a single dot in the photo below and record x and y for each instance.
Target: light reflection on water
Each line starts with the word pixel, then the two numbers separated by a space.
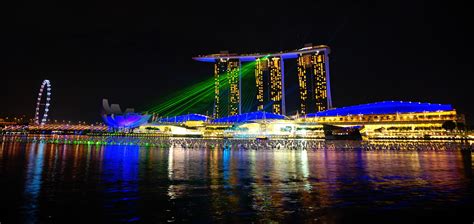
pixel 53 182
pixel 33 179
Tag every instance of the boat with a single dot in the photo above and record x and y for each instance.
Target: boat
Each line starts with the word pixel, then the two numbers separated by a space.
pixel 332 132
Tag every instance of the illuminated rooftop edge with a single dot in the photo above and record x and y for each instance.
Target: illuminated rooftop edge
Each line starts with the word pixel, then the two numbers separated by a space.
pixel 385 107
pixel 257 115
pixel 253 57
pixel 184 118
pixel 132 120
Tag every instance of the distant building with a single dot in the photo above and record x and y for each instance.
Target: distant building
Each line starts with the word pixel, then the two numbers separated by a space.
pixel 4 123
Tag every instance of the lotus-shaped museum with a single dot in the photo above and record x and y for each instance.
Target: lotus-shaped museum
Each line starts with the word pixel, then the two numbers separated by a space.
pixel 116 119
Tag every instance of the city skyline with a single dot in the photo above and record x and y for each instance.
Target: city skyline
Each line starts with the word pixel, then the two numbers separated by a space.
pixel 410 56
pixel 237 112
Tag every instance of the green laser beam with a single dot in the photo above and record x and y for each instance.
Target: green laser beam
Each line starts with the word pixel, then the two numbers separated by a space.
pixel 201 95
pixel 187 96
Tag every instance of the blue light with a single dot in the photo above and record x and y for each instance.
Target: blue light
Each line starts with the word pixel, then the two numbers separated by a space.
pixel 34 179
pixel 207 59
pixel 386 107
pixel 289 56
pixel 120 176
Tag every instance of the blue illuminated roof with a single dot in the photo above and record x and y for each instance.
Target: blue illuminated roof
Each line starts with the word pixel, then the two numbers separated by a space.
pixel 258 115
pixel 385 107
pixel 184 118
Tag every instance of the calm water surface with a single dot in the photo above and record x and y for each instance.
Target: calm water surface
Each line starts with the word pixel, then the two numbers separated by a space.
pixel 58 183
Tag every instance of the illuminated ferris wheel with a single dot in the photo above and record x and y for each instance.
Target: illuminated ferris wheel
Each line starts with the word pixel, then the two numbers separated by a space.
pixel 42 105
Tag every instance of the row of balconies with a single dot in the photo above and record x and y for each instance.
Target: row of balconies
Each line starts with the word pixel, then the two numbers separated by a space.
pixel 384 118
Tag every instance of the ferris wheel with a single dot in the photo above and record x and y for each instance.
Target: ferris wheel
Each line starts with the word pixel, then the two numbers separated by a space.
pixel 42 105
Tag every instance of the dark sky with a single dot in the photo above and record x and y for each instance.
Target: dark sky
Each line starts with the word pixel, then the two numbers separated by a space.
pixel 134 53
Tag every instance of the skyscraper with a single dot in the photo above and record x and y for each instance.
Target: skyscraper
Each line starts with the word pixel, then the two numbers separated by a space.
pixel 268 80
pixel 313 81
pixel 276 85
pixel 226 87
pixel 261 77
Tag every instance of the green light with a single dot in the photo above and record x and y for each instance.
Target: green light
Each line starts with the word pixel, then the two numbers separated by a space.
pixel 199 97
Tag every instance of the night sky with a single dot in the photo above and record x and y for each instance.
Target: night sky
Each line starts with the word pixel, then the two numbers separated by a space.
pixel 134 53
